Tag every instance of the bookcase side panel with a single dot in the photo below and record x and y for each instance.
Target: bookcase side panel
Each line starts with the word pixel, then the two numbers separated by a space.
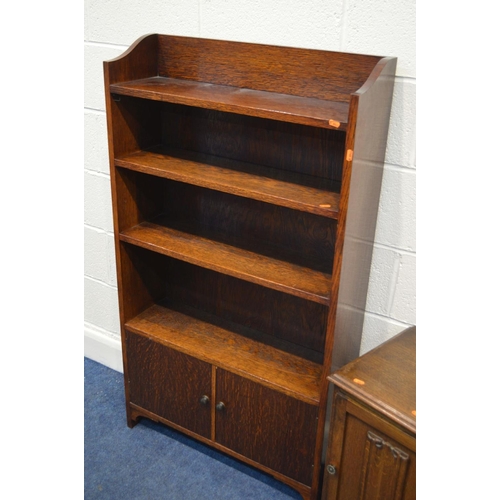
pixel 368 141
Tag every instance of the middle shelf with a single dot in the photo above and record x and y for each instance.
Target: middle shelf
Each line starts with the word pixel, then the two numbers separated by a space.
pixel 276 247
pixel 233 261
pixel 272 185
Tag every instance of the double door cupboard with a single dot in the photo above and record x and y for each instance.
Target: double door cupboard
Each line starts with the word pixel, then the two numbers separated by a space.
pixel 245 184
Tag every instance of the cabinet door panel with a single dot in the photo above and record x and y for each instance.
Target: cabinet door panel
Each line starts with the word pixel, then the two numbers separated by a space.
pixel 374 466
pixel 169 383
pixel 268 427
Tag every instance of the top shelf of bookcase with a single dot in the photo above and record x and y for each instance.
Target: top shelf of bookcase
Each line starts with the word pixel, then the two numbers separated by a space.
pixel 304 86
pixel 272 105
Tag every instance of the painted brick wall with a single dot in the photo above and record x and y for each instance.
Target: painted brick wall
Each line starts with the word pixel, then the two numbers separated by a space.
pixel 380 27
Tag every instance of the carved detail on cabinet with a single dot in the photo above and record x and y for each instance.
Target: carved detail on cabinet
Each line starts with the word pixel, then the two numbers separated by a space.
pixel 380 443
pixel 384 470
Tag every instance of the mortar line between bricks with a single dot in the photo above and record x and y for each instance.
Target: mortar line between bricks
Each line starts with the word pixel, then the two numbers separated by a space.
pixel 394 283
pixel 377 244
pixel 94 110
pixel 98 229
pixel 377 315
pixel 392 320
pixel 93 43
pixel 402 251
pixel 95 280
pixel 96 173
pixel 200 17
pixel 406 79
pixel 400 168
pixel 343 23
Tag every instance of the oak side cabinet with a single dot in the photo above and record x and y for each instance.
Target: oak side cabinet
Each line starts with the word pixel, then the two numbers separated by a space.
pixel 372 443
pixel 245 186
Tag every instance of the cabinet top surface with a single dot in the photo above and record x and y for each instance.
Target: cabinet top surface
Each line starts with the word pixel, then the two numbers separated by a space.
pixel 385 378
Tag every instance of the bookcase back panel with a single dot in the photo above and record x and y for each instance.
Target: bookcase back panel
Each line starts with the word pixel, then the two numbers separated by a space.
pixel 293 236
pixel 296 148
pixel 300 323
pixel 309 73
pixel 290 323
pixel 297 237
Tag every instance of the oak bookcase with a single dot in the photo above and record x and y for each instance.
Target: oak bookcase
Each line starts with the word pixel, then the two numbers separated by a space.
pixel 245 185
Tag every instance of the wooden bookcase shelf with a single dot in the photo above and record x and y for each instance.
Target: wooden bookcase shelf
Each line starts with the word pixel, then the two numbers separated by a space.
pixel 233 261
pixel 287 189
pixel 231 348
pixel 283 107
pixel 245 184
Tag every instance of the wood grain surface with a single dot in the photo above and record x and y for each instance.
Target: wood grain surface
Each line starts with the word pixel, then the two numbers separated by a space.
pixel 241 174
pixel 243 179
pixel 283 428
pixel 272 367
pixel 282 107
pixel 389 376
pixel 236 262
pixel 169 383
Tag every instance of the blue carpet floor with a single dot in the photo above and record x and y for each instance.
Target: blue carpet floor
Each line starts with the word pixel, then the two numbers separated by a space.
pixel 153 462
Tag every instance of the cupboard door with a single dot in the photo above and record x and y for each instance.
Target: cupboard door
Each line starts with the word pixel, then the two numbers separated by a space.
pixel 374 466
pixel 169 383
pixel 266 426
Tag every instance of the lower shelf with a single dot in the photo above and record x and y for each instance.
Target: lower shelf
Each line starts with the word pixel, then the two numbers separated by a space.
pixel 243 264
pixel 209 340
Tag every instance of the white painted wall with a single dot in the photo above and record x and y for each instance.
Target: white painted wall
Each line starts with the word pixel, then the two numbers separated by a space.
pixel 379 27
